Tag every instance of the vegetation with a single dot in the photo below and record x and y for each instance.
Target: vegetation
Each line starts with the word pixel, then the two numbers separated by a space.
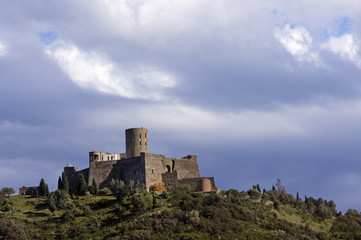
pixel 127 211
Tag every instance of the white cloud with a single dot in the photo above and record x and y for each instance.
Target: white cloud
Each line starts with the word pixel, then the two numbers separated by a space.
pixel 181 121
pixel 346 46
pixel 3 49
pixel 210 127
pixel 298 42
pixel 91 70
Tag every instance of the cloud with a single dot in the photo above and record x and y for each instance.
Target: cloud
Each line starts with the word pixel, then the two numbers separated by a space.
pixel 3 49
pixel 91 70
pixel 298 41
pixel 345 46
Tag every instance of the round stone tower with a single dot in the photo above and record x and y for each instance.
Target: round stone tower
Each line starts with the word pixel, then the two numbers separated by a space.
pixel 136 140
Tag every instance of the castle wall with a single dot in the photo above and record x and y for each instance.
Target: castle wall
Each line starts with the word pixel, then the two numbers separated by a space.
pixel 186 167
pixel 154 167
pixel 170 178
pixel 139 165
pixel 102 172
pixel 131 168
pixel 72 174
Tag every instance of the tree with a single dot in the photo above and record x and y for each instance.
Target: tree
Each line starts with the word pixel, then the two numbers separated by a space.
pixel 60 184
pixel 82 186
pixel 8 191
pixel 298 196
pixel 59 200
pixel 258 188
pixel 94 188
pixel 42 188
pixel 47 193
pixel 279 185
pixel 65 182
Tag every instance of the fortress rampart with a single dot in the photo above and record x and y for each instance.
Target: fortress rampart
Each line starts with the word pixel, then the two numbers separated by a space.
pixel 139 165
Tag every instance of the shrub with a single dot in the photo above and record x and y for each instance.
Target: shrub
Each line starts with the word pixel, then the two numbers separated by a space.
pixel 60 199
pixel 11 229
pixel 254 194
pixel 157 187
pixel 105 191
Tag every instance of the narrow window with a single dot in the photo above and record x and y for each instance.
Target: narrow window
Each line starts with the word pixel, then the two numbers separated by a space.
pixel 90 157
pixel 152 170
pixel 140 135
pixel 108 157
pixel 140 143
pixel 112 158
pixel 145 135
pixel 145 143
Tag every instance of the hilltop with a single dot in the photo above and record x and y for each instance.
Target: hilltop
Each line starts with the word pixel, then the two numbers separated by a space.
pixel 131 213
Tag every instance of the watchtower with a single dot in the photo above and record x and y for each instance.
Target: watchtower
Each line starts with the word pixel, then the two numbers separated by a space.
pixel 136 140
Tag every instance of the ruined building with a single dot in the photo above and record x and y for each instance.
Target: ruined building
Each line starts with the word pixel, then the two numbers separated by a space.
pixel 139 165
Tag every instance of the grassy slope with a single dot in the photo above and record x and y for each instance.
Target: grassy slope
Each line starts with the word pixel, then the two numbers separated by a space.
pixel 99 217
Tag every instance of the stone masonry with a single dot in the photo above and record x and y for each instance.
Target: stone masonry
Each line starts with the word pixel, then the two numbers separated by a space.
pixel 139 165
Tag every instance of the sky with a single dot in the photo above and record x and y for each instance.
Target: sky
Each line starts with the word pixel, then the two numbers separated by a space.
pixel 259 90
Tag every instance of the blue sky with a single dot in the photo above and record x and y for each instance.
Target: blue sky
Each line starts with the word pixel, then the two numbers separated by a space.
pixel 258 90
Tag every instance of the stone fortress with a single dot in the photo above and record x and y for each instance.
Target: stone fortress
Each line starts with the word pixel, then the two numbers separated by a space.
pixel 139 165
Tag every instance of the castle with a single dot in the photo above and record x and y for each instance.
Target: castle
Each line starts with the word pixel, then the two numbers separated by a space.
pixel 139 165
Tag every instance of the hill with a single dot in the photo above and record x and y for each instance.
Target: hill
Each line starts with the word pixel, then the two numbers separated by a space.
pixel 177 214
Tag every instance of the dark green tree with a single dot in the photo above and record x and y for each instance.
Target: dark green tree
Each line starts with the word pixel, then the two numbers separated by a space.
pixel 60 184
pixel 47 193
pixel 298 196
pixel 258 188
pixel 94 188
pixel 65 182
pixel 82 186
pixel 42 188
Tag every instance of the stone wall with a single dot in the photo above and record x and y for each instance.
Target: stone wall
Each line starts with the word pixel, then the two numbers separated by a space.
pixel 102 172
pixel 72 174
pixel 170 178
pixel 131 168
pixel 28 190
pixel 154 168
pixel 186 167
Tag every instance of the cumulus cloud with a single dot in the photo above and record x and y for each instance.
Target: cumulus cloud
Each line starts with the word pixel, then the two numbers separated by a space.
pixel 298 42
pixel 3 49
pixel 91 70
pixel 345 46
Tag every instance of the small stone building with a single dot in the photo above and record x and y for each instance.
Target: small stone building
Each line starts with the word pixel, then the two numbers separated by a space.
pixel 139 165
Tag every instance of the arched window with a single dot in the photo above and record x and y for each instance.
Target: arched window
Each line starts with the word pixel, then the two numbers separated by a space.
pixel 167 168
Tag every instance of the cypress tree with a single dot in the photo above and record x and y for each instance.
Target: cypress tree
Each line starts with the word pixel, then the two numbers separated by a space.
pixel 42 188
pixel 258 188
pixel 65 182
pixel 298 196
pixel 82 186
pixel 94 188
pixel 60 184
pixel 47 193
